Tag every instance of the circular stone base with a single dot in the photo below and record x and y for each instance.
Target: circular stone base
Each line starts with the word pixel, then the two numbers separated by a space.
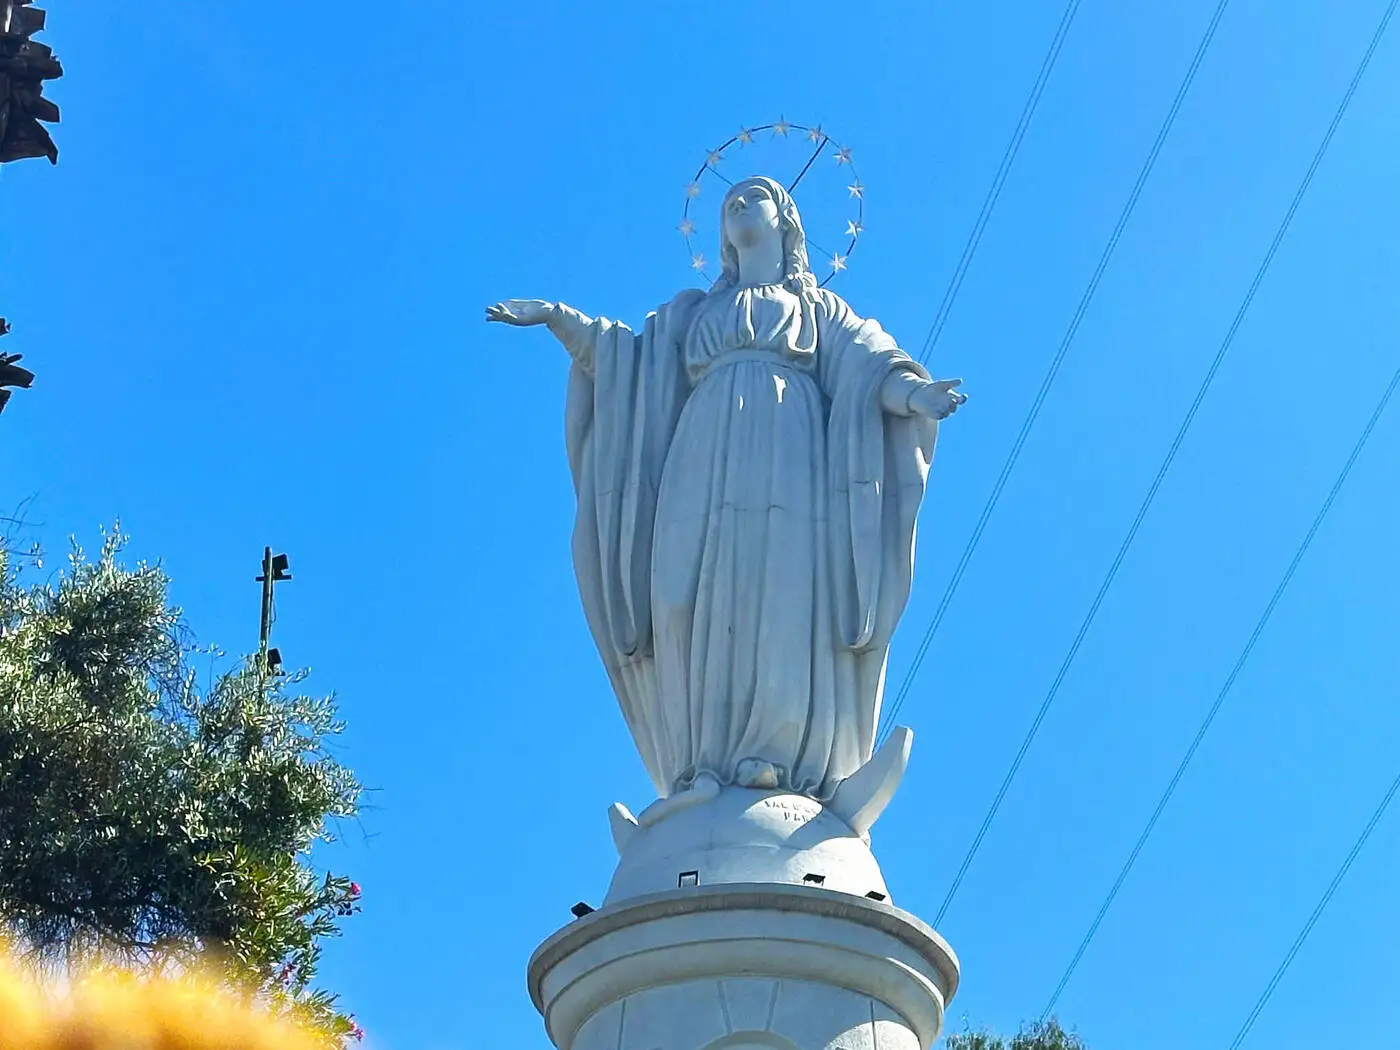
pixel 755 967
pixel 746 835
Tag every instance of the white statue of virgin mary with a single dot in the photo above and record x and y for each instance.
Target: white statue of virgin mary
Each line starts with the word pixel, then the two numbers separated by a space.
pixel 748 467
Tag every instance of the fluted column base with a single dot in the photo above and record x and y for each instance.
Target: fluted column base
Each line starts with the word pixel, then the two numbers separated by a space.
pixel 744 967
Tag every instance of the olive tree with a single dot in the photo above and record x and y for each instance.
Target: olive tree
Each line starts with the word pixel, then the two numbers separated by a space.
pixel 151 820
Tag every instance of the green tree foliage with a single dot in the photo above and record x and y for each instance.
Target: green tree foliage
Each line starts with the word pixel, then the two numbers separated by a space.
pixel 1043 1035
pixel 147 820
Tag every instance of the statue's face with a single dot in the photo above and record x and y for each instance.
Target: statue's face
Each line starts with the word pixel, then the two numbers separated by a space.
pixel 750 215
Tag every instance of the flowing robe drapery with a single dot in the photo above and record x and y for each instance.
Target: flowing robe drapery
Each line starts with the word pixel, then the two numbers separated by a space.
pixel 745 534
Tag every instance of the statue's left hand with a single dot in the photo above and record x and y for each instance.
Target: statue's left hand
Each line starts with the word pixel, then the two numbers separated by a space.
pixel 937 400
pixel 521 312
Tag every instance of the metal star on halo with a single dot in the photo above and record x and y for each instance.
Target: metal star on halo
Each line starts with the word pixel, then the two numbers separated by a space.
pixel 746 136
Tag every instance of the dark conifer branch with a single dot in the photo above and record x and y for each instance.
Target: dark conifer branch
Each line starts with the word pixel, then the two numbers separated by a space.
pixel 24 66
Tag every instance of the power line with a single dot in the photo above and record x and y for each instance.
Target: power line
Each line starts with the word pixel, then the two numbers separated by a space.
pixel 998 180
pixel 1166 465
pixel 1317 914
pixel 893 712
pixel 1224 691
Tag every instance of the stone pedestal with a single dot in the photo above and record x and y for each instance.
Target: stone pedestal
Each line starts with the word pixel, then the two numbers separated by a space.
pixel 754 920
pixel 744 967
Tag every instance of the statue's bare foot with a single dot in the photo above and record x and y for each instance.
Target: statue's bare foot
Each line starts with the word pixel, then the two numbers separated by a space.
pixel 705 788
pixel 757 773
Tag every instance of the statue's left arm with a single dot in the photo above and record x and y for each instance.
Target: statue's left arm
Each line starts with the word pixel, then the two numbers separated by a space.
pixel 905 393
pixel 907 390
pixel 881 432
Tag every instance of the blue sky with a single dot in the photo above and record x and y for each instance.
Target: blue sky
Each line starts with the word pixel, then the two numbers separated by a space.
pixel 252 290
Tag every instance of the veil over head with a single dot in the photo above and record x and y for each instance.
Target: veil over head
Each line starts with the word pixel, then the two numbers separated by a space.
pixel 797 269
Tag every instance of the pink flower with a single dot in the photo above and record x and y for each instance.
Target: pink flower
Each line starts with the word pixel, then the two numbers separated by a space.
pixel 354 889
pixel 357 1033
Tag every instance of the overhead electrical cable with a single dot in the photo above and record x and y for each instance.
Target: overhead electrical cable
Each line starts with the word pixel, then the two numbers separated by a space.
pixel 888 722
pixel 1166 465
pixel 1316 914
pixel 1224 692
pixel 998 180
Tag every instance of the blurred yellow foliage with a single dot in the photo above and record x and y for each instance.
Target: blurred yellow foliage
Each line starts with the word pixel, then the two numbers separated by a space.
pixel 110 1009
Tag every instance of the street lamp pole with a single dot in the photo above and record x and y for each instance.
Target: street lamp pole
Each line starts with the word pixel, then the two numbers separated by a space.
pixel 274 571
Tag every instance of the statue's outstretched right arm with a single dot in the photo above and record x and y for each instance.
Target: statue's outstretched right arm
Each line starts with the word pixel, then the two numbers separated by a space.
pixel 575 330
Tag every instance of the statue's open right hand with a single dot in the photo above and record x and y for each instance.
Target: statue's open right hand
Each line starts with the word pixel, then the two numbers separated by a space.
pixel 521 312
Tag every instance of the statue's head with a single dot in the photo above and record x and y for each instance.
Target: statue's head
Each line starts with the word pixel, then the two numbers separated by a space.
pixel 759 209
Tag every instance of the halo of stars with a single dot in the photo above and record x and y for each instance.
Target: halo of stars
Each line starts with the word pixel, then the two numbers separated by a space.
pixel 822 144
